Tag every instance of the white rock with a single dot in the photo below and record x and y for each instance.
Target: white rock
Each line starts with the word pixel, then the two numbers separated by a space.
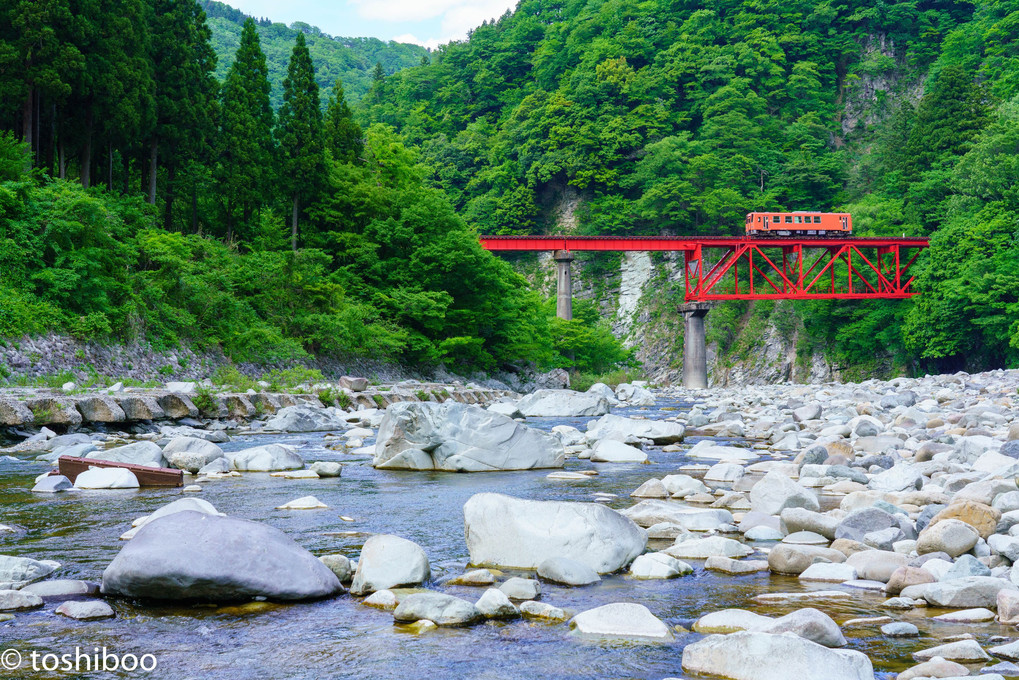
pixel 621 620
pixel 511 532
pixel 766 656
pixel 303 503
pixel 106 478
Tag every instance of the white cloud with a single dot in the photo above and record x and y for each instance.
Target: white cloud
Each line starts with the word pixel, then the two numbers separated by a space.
pixel 460 19
pixel 456 16
pixel 431 43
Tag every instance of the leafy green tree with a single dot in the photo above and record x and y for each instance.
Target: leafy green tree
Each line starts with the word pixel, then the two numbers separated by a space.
pixel 244 167
pixel 300 134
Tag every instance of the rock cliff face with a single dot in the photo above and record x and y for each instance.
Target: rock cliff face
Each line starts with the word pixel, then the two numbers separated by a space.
pixel 641 297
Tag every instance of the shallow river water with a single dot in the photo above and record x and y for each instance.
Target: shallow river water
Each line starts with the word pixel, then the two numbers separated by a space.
pixel 341 638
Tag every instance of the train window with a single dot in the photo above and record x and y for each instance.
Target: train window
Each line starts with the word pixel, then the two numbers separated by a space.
pixel 798 220
pixel 788 219
pixel 817 219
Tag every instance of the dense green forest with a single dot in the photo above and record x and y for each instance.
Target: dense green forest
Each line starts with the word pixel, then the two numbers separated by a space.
pixel 151 190
pixel 143 199
pixel 352 60
pixel 680 117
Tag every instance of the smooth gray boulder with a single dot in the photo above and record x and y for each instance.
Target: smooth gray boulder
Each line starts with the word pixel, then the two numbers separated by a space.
pixel 461 438
pixel 53 484
pixel 303 418
pixel 17 572
pixel 511 532
pixel 635 395
pixel 62 589
pixel 441 609
pixel 139 453
pixel 776 492
pixel 611 426
pixel 967 592
pixel 567 572
pixel 495 605
pixel 563 404
pixel 193 556
pixel 389 561
pixel 89 610
pixel 517 588
pixel 750 655
pixel 266 458
pixel 14 600
pixel 624 620
pixel 190 453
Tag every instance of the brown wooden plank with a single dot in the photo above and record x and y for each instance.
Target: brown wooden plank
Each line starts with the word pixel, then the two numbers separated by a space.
pixel 147 475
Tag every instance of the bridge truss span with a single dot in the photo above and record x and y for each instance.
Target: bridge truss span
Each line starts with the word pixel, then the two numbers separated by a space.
pixel 761 268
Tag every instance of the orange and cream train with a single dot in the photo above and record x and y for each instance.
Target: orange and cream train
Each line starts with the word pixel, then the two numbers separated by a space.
pixel 799 224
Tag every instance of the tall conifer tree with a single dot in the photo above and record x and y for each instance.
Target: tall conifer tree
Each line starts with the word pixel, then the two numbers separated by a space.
pixel 244 171
pixel 343 137
pixel 185 97
pixel 300 133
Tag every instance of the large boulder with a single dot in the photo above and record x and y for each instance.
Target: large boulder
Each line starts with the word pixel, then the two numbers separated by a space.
pixel 648 513
pixel 635 395
pixel 611 426
pixel 461 438
pixel 191 453
pixel 950 535
pixel 140 453
pixel 966 592
pixel 624 620
pixel 503 531
pixel 387 562
pixel 439 608
pixel 613 451
pixel 305 419
pixel 266 458
pixel 776 492
pixel 106 478
pixel 563 404
pixel 766 656
pixel 18 572
pixel 194 556
pixel 100 409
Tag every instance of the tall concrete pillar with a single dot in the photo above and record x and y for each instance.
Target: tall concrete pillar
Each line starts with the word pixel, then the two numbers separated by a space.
pixel 695 354
pixel 564 285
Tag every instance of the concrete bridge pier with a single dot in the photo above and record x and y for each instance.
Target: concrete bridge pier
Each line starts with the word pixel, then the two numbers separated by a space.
pixel 564 284
pixel 695 354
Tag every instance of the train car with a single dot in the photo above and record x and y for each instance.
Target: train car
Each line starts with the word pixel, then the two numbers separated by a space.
pixel 799 224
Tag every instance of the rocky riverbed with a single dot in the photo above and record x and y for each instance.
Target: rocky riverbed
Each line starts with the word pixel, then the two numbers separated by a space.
pixel 829 531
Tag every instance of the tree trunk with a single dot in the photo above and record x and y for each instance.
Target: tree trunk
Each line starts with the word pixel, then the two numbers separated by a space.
pixel 86 153
pixel 293 224
pixel 37 137
pixel 27 124
pixel 109 166
pixel 168 197
pixel 51 142
pixel 62 159
pixel 153 154
pixel 125 159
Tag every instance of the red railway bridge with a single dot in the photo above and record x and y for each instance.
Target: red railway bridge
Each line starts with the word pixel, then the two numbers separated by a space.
pixel 745 268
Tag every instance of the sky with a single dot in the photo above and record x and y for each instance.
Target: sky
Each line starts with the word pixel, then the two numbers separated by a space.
pixel 425 22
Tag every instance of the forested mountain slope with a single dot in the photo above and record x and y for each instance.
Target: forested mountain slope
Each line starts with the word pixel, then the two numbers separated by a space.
pixel 606 116
pixel 351 59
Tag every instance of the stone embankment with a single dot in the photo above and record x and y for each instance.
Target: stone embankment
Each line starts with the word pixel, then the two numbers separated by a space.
pixel 38 407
